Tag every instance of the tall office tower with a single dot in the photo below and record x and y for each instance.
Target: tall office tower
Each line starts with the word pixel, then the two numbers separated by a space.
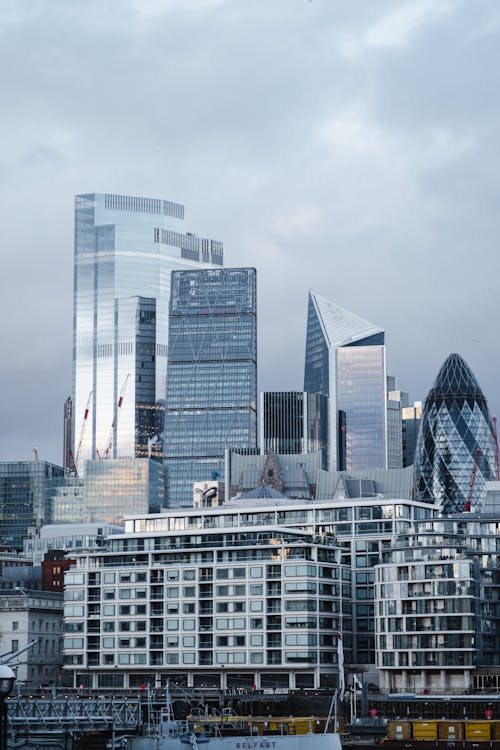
pixel 212 375
pixel 293 422
pixel 125 250
pixel 396 401
pixel 67 432
pixel 345 361
pixel 455 453
pixel 411 419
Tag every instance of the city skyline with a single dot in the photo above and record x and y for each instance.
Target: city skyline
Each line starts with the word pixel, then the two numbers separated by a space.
pixel 356 154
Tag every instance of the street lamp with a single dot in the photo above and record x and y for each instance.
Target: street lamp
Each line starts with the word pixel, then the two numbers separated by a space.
pixel 7 678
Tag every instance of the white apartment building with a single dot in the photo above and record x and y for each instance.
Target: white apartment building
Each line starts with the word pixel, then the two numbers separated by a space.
pixel 253 593
pixel 437 612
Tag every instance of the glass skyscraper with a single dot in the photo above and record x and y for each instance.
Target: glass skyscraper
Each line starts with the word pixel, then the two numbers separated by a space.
pixel 345 360
pixel 125 250
pixel 456 434
pixel 25 491
pixel 212 375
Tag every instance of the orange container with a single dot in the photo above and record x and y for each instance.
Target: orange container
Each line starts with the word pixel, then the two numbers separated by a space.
pixel 450 730
pixel 496 729
pixel 399 730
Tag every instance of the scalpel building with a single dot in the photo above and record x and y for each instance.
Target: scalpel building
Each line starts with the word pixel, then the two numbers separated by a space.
pixel 345 361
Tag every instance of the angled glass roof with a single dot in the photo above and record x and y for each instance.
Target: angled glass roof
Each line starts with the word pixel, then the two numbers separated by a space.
pixel 344 328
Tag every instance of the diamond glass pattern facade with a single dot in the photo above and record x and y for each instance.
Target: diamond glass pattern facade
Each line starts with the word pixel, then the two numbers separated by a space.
pixel 212 374
pixel 125 250
pixel 456 433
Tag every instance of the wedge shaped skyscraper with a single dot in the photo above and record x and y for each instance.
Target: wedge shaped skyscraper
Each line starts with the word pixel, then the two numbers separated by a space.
pixel 345 360
pixel 456 435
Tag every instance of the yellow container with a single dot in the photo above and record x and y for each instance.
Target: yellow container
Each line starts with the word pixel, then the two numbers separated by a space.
pixel 478 730
pixel 450 730
pixel 399 730
pixel 425 730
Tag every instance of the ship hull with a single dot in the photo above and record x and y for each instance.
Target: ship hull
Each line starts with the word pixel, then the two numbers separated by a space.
pixel 329 741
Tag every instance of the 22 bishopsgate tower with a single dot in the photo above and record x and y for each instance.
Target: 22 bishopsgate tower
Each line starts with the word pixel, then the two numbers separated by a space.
pixel 125 250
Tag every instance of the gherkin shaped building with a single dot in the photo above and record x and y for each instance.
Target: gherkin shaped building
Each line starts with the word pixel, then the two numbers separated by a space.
pixel 456 433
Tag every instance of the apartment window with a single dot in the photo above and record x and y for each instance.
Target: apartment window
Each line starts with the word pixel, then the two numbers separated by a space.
pixel 15 625
pixel 188 658
pixel 188 641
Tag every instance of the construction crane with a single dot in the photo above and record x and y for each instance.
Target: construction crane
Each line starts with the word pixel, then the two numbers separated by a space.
pixel 75 460
pixel 114 425
pixel 495 440
pixel 468 504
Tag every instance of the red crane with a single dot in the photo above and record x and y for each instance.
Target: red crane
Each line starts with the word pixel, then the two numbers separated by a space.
pixel 495 440
pixel 472 481
pixel 115 418
pixel 75 460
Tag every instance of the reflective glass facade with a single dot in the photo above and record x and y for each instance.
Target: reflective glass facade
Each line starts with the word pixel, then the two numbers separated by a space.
pixel 345 360
pixel 125 249
pixel 455 434
pixel 111 490
pixel 25 489
pixel 212 374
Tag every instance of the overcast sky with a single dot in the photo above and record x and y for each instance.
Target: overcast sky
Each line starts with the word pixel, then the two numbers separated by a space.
pixel 346 146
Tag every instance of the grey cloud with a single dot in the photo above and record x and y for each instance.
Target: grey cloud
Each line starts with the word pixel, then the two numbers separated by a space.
pixel 371 178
